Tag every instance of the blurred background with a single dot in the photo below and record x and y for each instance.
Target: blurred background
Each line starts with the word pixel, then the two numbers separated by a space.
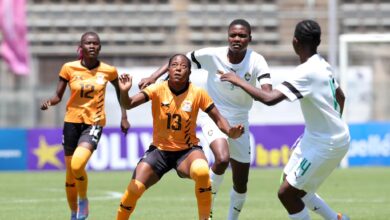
pixel 138 36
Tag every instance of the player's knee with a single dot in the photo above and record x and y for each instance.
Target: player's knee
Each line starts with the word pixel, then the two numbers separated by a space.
pixel 77 167
pixel 199 170
pixel 222 161
pixel 135 188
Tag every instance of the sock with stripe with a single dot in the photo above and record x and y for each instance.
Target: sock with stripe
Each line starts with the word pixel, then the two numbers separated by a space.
pixel 129 200
pixel 237 201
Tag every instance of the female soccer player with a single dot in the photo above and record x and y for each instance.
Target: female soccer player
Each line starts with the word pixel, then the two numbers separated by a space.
pixel 326 138
pixel 85 116
pixel 175 106
pixel 234 104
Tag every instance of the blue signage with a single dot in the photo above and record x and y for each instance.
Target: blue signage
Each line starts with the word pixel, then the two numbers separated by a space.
pixel 13 149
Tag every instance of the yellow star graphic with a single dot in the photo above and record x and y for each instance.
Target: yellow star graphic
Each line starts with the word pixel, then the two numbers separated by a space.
pixel 47 154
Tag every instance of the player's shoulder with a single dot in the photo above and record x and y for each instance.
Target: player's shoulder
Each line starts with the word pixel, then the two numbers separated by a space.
pixel 211 50
pixel 74 63
pixel 107 67
pixel 255 55
pixel 196 89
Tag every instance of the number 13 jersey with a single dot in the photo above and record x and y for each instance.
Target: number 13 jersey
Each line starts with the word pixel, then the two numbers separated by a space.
pixel 174 115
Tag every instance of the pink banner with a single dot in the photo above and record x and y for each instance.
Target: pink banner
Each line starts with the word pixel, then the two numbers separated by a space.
pixel 14 47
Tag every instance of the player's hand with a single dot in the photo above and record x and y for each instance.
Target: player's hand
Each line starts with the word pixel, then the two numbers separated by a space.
pixel 236 131
pixel 230 77
pixel 145 82
pixel 45 105
pixel 125 82
pixel 125 125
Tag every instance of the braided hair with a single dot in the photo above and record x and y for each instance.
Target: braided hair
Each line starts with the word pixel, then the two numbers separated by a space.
pixel 308 32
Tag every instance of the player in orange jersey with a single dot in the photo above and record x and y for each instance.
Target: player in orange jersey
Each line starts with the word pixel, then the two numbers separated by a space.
pixel 85 116
pixel 175 106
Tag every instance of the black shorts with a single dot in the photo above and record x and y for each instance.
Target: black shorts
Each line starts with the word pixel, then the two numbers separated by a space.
pixel 75 133
pixel 163 161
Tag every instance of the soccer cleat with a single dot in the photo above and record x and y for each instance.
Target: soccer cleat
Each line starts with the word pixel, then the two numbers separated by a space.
pixel 82 210
pixel 341 216
pixel 73 216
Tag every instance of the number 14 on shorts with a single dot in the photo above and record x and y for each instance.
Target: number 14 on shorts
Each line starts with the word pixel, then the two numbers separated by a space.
pixel 302 168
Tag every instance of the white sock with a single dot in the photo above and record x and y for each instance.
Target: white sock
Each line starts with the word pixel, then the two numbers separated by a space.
pixel 237 201
pixel 302 215
pixel 216 181
pixel 315 203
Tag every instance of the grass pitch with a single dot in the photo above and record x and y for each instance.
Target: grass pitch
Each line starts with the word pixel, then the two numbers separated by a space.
pixel 362 193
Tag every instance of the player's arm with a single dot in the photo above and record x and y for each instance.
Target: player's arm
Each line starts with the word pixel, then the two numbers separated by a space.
pixel 270 97
pixel 127 102
pixel 152 78
pixel 125 125
pixel 340 98
pixel 54 100
pixel 223 124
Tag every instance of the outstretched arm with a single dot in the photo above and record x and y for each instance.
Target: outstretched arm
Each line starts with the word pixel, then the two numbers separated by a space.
pixel 152 78
pixel 61 86
pixel 125 125
pixel 125 83
pixel 224 126
pixel 270 97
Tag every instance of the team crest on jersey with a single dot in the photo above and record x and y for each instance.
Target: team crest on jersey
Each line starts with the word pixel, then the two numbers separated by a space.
pixel 247 76
pixel 100 79
pixel 186 106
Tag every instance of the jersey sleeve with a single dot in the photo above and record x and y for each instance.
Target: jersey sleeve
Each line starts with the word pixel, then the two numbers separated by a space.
pixel 205 102
pixel 198 56
pixel 150 91
pixel 262 71
pixel 64 72
pixel 296 87
pixel 113 74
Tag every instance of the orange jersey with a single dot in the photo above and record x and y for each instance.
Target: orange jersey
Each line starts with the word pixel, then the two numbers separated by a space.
pixel 87 91
pixel 174 116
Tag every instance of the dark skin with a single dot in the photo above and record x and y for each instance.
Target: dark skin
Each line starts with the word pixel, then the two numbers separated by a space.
pixel 239 38
pixel 179 74
pixel 90 47
pixel 288 195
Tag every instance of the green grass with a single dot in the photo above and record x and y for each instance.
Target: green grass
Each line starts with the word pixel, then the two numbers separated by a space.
pixel 363 193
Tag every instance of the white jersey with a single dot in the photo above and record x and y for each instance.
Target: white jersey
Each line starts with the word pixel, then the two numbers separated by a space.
pixel 231 101
pixel 313 84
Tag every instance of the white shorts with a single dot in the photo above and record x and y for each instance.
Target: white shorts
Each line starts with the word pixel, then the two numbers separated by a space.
pixel 309 166
pixel 239 148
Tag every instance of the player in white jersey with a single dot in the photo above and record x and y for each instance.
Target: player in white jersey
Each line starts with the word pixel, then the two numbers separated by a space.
pixel 326 137
pixel 234 104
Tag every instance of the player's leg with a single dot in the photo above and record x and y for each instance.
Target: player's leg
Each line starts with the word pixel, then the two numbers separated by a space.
pixel 219 146
pixel 88 142
pixel 220 150
pixel 71 134
pixel 79 160
pixel 240 157
pixel 143 178
pixel 240 173
pixel 149 171
pixel 70 188
pixel 195 166
pixel 306 170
